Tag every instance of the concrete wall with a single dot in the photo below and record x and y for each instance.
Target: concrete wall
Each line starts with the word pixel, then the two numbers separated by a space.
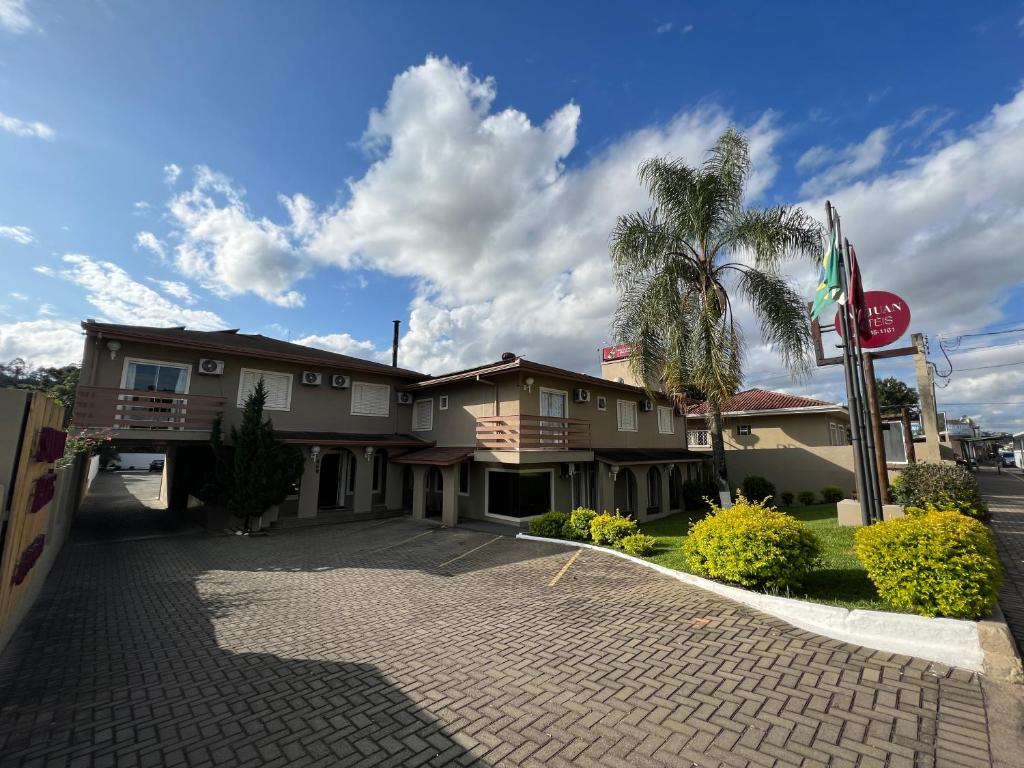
pixel 13 406
pixel 320 408
pixel 137 460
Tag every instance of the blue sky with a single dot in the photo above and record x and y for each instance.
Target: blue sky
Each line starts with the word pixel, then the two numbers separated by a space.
pixel 314 170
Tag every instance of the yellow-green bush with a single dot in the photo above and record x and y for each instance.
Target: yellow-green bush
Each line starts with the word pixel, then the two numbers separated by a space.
pixel 610 529
pixel 638 544
pixel 549 524
pixel 578 525
pixel 932 563
pixel 752 544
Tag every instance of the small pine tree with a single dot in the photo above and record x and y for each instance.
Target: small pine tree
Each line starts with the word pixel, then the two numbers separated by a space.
pixel 264 468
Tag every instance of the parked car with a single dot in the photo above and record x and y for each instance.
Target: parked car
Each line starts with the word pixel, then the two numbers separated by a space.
pixel 1007 460
pixel 156 465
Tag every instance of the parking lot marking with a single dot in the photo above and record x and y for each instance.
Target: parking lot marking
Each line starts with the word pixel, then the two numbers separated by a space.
pixel 471 551
pixel 565 568
pixel 404 541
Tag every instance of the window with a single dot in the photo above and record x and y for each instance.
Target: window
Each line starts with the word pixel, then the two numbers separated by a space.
pixel 666 424
pixel 278 386
pixel 516 495
pixel 464 479
pixel 626 412
pixel 744 430
pixel 837 434
pixel 370 399
pixel 602 403
pixel 153 376
pixel 583 491
pixel 700 438
pixel 653 491
pixel 423 415
pixel 378 472
pixel 892 438
pixel 442 403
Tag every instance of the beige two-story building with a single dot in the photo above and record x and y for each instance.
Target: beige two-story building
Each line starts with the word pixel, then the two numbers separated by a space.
pixel 504 441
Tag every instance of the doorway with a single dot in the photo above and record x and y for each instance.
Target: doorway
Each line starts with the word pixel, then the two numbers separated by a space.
pixel 435 492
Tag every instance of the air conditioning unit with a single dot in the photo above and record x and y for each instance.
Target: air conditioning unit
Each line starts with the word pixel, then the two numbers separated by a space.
pixel 312 378
pixel 340 382
pixel 211 367
pixel 646 405
pixel 404 398
pixel 581 395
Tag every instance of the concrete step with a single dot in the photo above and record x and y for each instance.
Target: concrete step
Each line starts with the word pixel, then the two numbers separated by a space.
pixel 330 517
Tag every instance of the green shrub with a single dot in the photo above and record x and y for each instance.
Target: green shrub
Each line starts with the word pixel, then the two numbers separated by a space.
pixel 932 563
pixel 577 527
pixel 694 492
pixel 806 498
pixel 611 529
pixel 753 545
pixel 831 494
pixel 638 544
pixel 945 486
pixel 787 498
pixel 757 488
pixel 550 524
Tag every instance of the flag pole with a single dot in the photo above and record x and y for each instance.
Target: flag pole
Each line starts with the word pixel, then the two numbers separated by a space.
pixel 857 350
pixel 863 492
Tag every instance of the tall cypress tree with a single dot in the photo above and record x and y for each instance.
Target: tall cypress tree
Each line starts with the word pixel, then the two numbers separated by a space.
pixel 264 469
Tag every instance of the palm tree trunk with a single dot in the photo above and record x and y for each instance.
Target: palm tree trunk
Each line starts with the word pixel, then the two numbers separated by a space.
pixel 718 446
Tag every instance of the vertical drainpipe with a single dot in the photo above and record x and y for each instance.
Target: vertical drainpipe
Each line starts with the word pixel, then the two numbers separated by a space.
pixel 394 345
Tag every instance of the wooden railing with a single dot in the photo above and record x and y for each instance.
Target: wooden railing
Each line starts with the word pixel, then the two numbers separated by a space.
pixel 532 433
pixel 108 408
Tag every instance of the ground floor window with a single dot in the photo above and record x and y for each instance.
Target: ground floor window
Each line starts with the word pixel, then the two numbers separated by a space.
pixel 518 495
pixel 653 491
pixel 464 479
pixel 583 490
pixel 675 482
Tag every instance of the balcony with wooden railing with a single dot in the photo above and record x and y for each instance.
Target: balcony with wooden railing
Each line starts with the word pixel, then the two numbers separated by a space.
pixel 132 409
pixel 532 433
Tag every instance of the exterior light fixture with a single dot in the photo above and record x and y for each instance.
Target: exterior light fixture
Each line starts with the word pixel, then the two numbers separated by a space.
pixel 113 346
pixel 369 453
pixel 528 384
pixel 613 472
pixel 315 455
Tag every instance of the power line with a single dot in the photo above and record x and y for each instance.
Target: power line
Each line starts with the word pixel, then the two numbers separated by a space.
pixel 985 333
pixel 1018 402
pixel 985 367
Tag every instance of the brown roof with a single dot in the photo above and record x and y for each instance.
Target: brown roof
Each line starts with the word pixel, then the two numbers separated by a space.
pixel 762 400
pixel 250 344
pixel 440 457
pixel 647 455
pixel 521 364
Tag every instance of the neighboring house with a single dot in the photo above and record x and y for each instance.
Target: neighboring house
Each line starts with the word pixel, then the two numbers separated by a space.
pixel 798 443
pixel 505 441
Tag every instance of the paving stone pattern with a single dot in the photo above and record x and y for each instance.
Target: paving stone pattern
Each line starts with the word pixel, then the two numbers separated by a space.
pixel 371 644
pixel 1004 492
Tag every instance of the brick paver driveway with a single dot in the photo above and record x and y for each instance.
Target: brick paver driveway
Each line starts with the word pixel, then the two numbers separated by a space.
pixel 391 643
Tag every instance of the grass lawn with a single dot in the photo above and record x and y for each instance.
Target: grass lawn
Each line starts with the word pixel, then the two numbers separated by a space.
pixel 839 579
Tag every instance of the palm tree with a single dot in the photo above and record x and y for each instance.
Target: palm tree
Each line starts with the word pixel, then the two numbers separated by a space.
pixel 676 264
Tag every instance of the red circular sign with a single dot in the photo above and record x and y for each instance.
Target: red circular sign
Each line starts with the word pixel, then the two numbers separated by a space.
pixel 888 317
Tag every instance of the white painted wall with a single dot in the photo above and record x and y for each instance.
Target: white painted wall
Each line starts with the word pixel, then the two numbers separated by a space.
pixel 138 460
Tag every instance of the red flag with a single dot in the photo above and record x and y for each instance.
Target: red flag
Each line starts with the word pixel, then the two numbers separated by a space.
pixel 858 308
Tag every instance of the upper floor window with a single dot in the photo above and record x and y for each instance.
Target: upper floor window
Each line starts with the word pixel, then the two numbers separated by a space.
pixel 666 425
pixel 442 403
pixel 370 399
pixel 278 386
pixel 154 376
pixel 423 415
pixel 602 403
pixel 626 412
pixel 701 438
pixel 743 430
pixel 837 434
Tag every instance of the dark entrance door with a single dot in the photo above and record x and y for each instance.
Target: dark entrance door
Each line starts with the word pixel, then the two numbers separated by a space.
pixel 434 492
pixel 407 487
pixel 328 489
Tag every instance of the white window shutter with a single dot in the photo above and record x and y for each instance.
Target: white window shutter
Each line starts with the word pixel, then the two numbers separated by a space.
pixel 370 399
pixel 278 386
pixel 665 425
pixel 423 415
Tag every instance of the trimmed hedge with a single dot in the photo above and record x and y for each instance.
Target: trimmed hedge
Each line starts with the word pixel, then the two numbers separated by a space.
pixel 757 488
pixel 932 563
pixel 694 493
pixel 946 486
pixel 639 544
pixel 753 545
pixel 832 494
pixel 806 498
pixel 787 498
pixel 577 527
pixel 611 529
pixel 550 524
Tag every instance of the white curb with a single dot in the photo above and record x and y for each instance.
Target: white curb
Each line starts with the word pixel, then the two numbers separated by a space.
pixel 949 641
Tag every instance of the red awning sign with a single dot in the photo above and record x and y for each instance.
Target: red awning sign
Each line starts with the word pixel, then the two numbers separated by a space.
pixel 888 318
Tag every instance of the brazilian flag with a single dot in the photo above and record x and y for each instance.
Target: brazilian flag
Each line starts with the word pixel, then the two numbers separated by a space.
pixel 830 286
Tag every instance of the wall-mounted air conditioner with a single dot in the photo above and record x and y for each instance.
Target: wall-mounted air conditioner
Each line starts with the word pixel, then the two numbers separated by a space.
pixel 404 398
pixel 211 367
pixel 646 405
pixel 312 378
pixel 340 382
pixel 581 395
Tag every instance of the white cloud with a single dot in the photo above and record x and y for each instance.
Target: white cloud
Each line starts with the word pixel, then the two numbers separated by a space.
pixel 120 299
pixel 230 252
pixel 46 310
pixel 176 289
pixel 22 235
pixel 24 128
pixel 14 16
pixel 43 342
pixel 664 28
pixel 139 207
pixel 342 343
pixel 687 29
pixel 172 172
pixel 44 270
pixel 18 296
pixel 151 242
pixel 843 165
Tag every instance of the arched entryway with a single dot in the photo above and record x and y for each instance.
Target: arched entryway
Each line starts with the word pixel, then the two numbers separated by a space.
pixel 625 492
pixel 433 488
pixel 675 486
pixel 654 491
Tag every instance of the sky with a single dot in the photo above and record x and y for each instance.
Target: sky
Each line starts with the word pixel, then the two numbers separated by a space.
pixel 312 171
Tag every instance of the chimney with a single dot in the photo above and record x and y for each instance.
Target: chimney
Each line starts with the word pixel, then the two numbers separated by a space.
pixel 394 345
